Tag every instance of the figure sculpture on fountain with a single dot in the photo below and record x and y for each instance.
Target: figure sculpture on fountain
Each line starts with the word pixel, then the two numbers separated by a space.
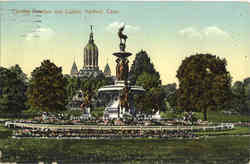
pixel 118 74
pixel 124 98
pixel 122 69
pixel 122 37
pixel 86 103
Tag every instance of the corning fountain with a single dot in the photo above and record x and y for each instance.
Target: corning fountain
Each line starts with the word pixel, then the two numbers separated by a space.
pixel 120 95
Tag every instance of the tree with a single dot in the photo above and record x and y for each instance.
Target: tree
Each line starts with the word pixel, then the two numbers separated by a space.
pixel 12 91
pixel 143 73
pixel 20 74
pixel 151 101
pixel 158 99
pixel 73 84
pixel 238 89
pixel 47 88
pixel 90 88
pixel 246 85
pixel 141 64
pixel 143 102
pixel 171 94
pixel 247 94
pixel 239 97
pixel 204 84
pixel 148 81
pixel 154 94
pixel 170 88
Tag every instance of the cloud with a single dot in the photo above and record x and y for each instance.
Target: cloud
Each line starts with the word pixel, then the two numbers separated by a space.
pixel 215 31
pixel 44 33
pixel 116 25
pixel 191 32
pixel 211 32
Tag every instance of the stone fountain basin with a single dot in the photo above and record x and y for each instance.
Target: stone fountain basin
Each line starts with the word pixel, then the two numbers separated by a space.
pixel 119 85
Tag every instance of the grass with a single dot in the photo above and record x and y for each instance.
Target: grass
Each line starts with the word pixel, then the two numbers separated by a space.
pixel 235 131
pixel 221 149
pixel 4 132
pixel 213 116
pixel 221 117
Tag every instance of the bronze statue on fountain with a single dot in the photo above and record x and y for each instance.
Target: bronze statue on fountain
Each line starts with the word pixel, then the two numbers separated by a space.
pixel 122 69
pixel 123 38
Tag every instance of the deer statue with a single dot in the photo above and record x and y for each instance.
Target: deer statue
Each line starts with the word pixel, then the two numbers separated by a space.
pixel 121 35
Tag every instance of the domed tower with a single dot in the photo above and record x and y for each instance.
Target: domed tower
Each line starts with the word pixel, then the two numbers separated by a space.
pixel 90 54
pixel 90 58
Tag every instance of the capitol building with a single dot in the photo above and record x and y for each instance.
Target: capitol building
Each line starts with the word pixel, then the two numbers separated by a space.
pixel 90 61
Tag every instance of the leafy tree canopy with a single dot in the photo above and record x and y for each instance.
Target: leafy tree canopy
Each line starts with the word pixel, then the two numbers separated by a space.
pixel 204 83
pixel 238 88
pixel 143 73
pixel 153 99
pixel 239 98
pixel 20 74
pixel 47 88
pixel 171 94
pixel 148 81
pixel 73 84
pixel 141 64
pixel 12 90
pixel 247 87
pixel 92 84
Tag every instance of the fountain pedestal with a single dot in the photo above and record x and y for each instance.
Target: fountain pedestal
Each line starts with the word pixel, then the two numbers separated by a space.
pixel 112 95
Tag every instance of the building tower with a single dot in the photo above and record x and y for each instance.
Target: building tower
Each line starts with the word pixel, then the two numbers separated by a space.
pixel 107 71
pixel 90 54
pixel 90 58
pixel 74 70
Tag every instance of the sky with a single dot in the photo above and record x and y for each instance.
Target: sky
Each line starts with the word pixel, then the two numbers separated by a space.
pixel 167 31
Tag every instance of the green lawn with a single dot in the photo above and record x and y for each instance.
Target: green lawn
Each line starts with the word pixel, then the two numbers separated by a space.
pixel 220 117
pixel 220 149
pixel 214 116
pixel 235 131
pixel 4 132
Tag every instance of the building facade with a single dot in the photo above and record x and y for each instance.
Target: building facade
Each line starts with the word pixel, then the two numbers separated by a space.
pixel 90 61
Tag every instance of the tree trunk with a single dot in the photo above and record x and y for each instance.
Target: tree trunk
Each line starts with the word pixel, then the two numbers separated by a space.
pixel 205 114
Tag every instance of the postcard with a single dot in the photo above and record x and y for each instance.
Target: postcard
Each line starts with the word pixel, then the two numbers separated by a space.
pixel 124 81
